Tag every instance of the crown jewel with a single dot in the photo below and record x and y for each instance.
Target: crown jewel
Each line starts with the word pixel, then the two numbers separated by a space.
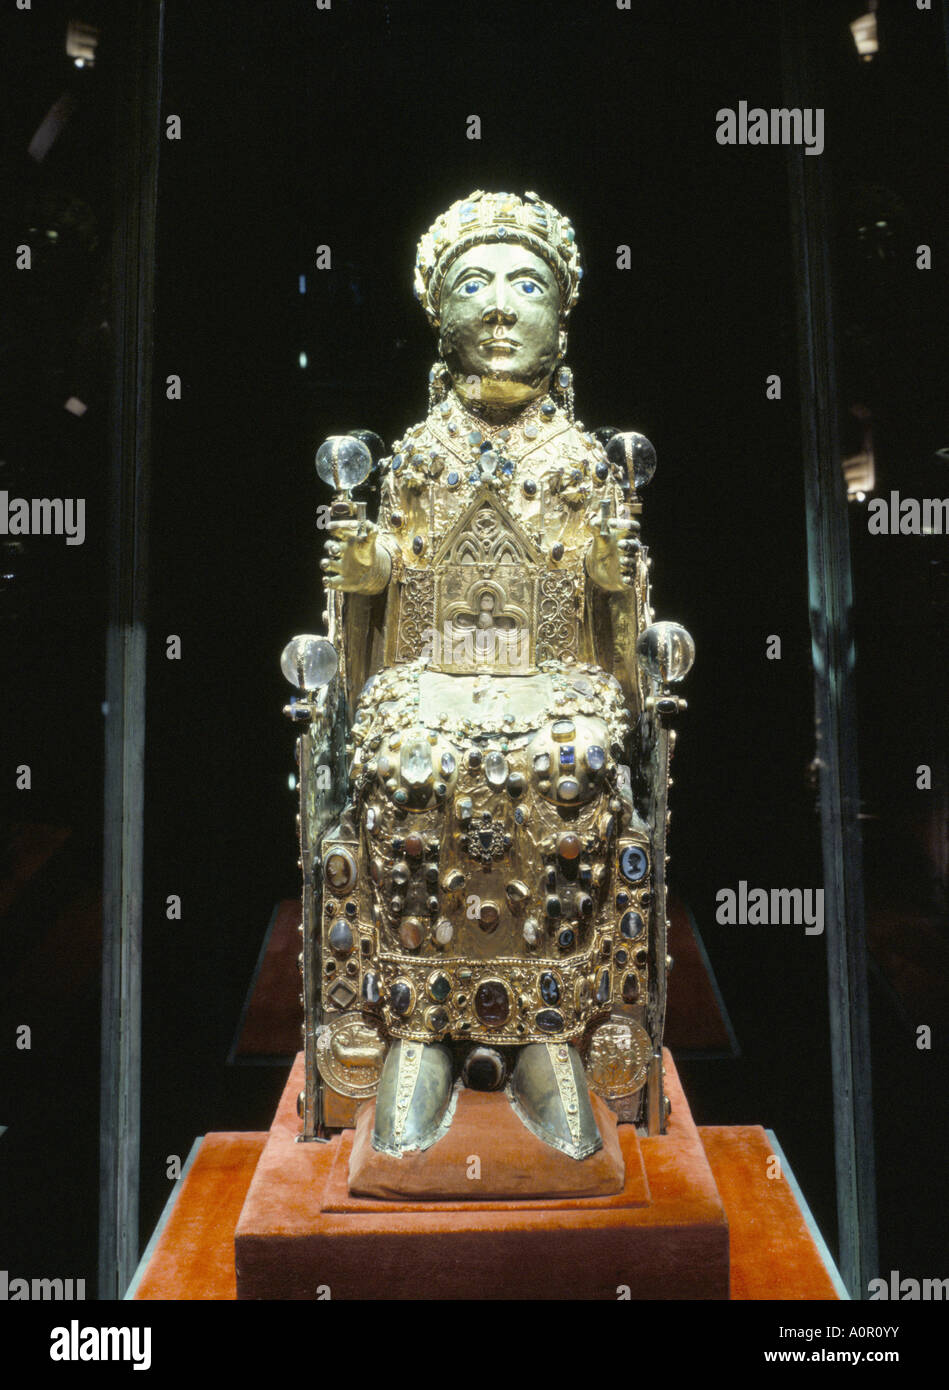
pixel 483 217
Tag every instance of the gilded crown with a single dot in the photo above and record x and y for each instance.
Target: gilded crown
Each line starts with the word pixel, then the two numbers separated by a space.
pixel 483 217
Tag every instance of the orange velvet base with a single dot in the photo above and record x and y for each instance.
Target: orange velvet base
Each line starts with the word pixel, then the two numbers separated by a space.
pixel 301 1229
pixel 773 1255
pixel 771 1246
pixel 488 1152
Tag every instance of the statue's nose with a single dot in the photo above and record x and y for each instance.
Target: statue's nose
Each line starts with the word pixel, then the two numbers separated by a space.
pixel 499 312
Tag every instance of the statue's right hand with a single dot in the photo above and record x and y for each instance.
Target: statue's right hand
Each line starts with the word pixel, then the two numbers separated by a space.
pixel 355 561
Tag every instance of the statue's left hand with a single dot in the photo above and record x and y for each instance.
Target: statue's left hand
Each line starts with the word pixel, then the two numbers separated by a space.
pixel 611 559
pixel 356 560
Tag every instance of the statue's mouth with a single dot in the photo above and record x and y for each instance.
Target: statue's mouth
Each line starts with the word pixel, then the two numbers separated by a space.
pixel 500 344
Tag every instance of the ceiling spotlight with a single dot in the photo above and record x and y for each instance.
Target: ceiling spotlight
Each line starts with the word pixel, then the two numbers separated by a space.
pixel 864 32
pixel 81 43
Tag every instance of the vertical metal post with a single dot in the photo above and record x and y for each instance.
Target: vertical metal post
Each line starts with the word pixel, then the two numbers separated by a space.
pixel 137 53
pixel 830 598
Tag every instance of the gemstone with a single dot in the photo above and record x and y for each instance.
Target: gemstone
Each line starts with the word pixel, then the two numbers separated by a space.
pixel 631 926
pixel 431 875
pixel 550 1020
pixel 396 905
pixel 496 769
pixel 454 881
pixel 566 938
pixel 370 989
pixel 400 796
pixel 418 544
pixel 516 783
pixel 453 478
pixel 530 431
pixel 489 916
pixel 630 989
pixel 567 755
pixel 585 904
pixel 417 763
pixel 400 874
pixel 595 757
pixel 622 900
pixel 585 874
pixel 439 987
pixel 603 987
pixel 556 550
pixel 400 997
pixel 397 463
pixel 531 932
pixel 342 994
pixel 602 471
pixel 563 730
pixel 309 662
pixel 517 892
pixel 485 838
pixel 542 763
pixel 568 789
pixel 410 933
pixel 351 909
pixel 549 988
pixel 554 907
pixel 633 863
pixel 486 446
pixel 413 845
pixel 444 932
pixel 447 764
pixel 548 408
pixel 440 790
pixel 621 957
pixel 491 1003
pixel 568 846
pixel 343 461
pixel 341 937
pixel 640 958
pixel 474 437
pixel 530 487
pixel 474 758
pixel 397 845
pixel 437 1020
pixel 519 815
pixel 339 870
pixel 551 877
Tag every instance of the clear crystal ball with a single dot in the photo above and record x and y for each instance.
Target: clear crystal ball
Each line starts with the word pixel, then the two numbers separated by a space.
pixel 309 662
pixel 343 461
pixel 666 650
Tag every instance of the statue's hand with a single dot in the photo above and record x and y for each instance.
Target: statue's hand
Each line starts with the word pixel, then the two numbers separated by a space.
pixel 611 559
pixel 356 559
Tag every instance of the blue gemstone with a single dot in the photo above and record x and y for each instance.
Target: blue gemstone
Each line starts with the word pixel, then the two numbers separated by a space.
pixel 453 479
pixel 622 899
pixel 519 815
pixel 507 468
pixel 596 757
pixel 341 937
pixel 549 988
pixel 474 437
pixel 486 446
pixel 631 925
pixel 621 957
pixel 602 471
pixel 548 408
pixel 567 755
pixel 400 997
pixel 633 864
pixel 566 938
pixel 397 463
pixel 550 1020
pixel 603 987
pixel 485 837
pixel 474 477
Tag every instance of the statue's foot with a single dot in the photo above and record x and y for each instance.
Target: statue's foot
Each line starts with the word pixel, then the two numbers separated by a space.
pixel 549 1094
pixel 415 1101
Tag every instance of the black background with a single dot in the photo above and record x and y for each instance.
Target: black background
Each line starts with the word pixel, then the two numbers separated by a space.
pixel 347 128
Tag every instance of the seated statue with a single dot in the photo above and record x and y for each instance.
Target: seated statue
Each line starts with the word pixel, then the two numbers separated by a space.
pixel 484 763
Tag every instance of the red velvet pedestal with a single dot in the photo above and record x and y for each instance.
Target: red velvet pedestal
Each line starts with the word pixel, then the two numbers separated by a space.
pixel 300 1233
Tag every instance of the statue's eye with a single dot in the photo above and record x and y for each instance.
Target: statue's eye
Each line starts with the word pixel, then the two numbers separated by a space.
pixel 529 287
pixel 471 287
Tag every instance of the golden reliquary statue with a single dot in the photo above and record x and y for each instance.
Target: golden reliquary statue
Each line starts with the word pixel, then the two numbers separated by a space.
pixel 484 755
